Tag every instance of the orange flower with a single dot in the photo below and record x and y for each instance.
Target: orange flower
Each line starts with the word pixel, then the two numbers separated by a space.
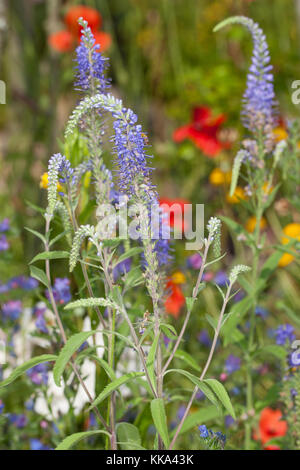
pixel 203 131
pixel 175 300
pixel 270 426
pixel 62 41
pixel 219 177
pixel 65 40
pixel 290 231
pixel 90 15
pixel 103 39
pixel 251 224
pixel 237 196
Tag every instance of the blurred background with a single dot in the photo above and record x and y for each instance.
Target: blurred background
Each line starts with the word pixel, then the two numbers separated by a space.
pixel 165 62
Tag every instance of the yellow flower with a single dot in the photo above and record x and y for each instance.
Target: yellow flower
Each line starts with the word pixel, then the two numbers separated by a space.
pixel 219 177
pixel 267 189
pixel 291 231
pixel 44 183
pixel 251 224
pixel 178 277
pixel 280 134
pixel 238 194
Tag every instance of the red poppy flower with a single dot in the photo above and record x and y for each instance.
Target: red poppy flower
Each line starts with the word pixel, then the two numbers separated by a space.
pixel 90 15
pixel 270 426
pixel 203 131
pixel 175 209
pixel 175 300
pixel 62 41
pixel 103 39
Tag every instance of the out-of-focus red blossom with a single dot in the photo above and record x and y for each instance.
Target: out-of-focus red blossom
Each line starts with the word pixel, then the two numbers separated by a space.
pixel 103 39
pixel 272 447
pixel 66 40
pixel 90 15
pixel 62 41
pixel 270 426
pixel 175 213
pixel 203 131
pixel 175 300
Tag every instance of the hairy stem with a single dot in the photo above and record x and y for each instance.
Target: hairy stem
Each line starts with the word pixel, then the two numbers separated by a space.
pixel 210 356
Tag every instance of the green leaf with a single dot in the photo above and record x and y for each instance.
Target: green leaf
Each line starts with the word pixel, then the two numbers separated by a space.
pixel 39 275
pixel 150 363
pixel 37 234
pixel 237 313
pixel 27 365
pixel 128 436
pixel 67 352
pixel 267 270
pixel 187 358
pixel 50 255
pixel 160 420
pixel 290 313
pixel 237 228
pixel 114 386
pixel 222 394
pixel 168 330
pixel 200 384
pixel 272 349
pixel 105 366
pixel 190 303
pixel 70 441
pixel 209 413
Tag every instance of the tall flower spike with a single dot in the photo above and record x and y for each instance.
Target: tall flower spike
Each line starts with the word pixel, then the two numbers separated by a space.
pixel 259 103
pixel 91 65
pixel 58 165
pixel 214 230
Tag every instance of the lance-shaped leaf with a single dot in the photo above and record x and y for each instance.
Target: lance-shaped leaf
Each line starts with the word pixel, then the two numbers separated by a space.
pixel 160 420
pixel 67 352
pixel 111 387
pixel 70 441
pixel 27 365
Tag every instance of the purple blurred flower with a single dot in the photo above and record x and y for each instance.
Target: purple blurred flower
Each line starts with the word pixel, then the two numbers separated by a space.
pixel 41 324
pixel 1 406
pixel 204 338
pixel 12 309
pixel 284 333
pixel 194 261
pixel 61 290
pixel 19 421
pixel 232 364
pixel 4 225
pixel 180 412
pixel 229 421
pixel 4 245
pixel 36 444
pixel 261 312
pixel 38 374
pixel 221 279
pixel 29 404
pixel 121 268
